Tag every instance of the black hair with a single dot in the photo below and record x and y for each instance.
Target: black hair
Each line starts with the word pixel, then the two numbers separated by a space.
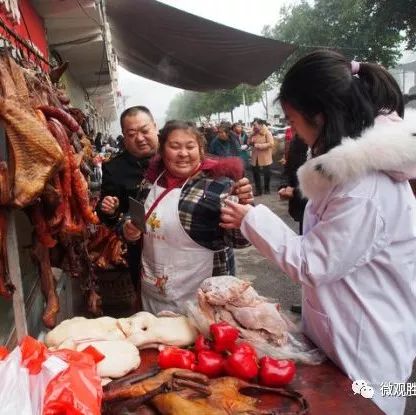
pixel 408 98
pixel 225 126
pixel 133 111
pixel 188 126
pixel 322 83
pixel 259 121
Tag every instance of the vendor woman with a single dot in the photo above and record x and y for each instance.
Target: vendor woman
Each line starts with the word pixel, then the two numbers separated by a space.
pixel 182 196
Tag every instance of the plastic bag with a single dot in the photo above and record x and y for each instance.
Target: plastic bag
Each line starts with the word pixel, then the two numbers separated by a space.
pixel 62 382
pixel 77 390
pixel 14 386
pixel 33 354
pixel 3 352
pixel 35 381
pixel 42 369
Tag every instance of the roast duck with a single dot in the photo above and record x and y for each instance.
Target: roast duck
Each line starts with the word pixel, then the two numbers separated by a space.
pixel 179 391
pixel 43 176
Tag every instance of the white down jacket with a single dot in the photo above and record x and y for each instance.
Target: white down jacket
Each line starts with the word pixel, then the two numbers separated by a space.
pixel 357 258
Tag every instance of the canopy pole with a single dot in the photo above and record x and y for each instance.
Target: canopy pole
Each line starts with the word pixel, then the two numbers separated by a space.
pixel 16 278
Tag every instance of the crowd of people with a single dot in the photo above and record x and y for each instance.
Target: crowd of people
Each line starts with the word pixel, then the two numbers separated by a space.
pixel 355 255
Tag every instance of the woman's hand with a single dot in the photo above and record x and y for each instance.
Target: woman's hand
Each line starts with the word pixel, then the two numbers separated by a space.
pixel 109 205
pixel 130 231
pixel 244 191
pixel 233 214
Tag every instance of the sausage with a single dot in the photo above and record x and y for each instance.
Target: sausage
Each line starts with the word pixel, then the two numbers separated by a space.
pixel 67 119
pixel 58 131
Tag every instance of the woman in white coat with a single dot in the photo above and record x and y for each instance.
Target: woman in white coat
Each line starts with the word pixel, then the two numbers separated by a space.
pixel 357 258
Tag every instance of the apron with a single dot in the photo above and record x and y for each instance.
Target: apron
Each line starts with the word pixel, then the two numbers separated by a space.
pixel 173 265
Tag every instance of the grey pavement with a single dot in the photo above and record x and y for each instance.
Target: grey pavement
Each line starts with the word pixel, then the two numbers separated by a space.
pixel 269 280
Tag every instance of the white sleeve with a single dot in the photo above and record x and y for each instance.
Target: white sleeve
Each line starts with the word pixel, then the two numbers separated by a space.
pixel 349 234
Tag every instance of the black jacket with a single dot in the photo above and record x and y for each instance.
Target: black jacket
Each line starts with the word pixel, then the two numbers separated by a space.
pixel 121 177
pixel 296 157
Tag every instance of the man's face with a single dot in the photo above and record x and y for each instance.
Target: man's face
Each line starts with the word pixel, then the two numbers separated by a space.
pixel 140 135
pixel 238 129
pixel 222 134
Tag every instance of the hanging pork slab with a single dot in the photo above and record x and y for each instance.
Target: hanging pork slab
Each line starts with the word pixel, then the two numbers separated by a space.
pixel 34 153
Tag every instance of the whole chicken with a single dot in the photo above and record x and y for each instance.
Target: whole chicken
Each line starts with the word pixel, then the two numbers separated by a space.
pixel 121 357
pixel 146 330
pixel 259 319
pixel 225 289
pixel 228 294
pixel 81 328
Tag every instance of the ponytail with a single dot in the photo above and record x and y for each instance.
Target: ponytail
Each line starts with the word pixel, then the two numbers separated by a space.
pixel 382 88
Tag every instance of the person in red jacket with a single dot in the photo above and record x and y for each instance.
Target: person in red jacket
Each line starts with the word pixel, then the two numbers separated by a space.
pixel 288 139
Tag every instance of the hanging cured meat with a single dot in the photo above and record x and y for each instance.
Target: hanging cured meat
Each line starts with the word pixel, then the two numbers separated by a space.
pixel 18 77
pixel 6 286
pixel 72 180
pixel 5 190
pixel 41 257
pixel 66 119
pixel 90 283
pixel 43 174
pixel 42 230
pixel 8 86
pixel 106 249
pixel 35 154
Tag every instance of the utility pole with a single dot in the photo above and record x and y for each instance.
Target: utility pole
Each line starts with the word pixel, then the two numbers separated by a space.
pixel 267 104
pixel 124 99
pixel 244 108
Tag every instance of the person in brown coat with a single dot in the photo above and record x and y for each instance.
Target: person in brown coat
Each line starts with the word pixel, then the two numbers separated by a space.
pixel 261 143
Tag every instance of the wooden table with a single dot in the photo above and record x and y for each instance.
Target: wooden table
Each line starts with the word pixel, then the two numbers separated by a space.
pixel 325 387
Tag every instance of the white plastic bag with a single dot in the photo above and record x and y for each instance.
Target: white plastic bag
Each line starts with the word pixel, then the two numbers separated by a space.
pixel 24 376
pixel 14 386
pixel 38 383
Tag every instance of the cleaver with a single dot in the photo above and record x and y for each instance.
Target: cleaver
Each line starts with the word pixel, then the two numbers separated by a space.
pixel 137 213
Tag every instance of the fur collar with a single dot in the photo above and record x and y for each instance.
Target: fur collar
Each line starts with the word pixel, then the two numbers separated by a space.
pixel 214 167
pixel 389 146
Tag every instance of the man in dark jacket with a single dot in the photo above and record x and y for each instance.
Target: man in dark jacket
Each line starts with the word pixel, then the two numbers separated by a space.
pixel 124 173
pixel 289 188
pixel 98 142
pixel 225 144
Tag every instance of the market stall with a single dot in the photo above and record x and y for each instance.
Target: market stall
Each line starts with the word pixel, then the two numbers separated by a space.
pixel 229 351
pixel 177 364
